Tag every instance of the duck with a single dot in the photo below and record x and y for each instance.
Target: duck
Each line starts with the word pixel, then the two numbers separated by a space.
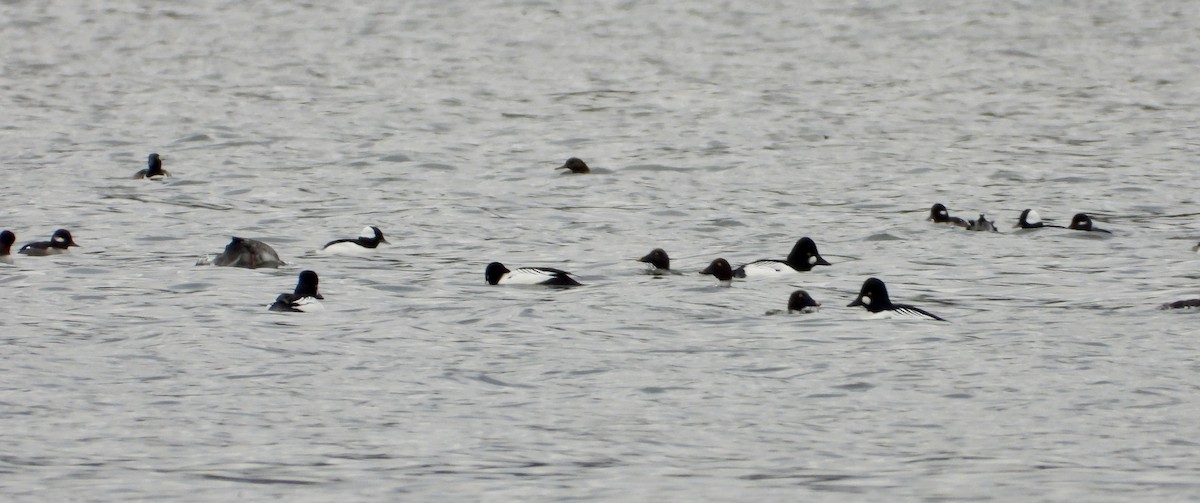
pixel 369 238
pixel 981 224
pixel 154 169
pixel 248 253
pixel 304 299
pixel 804 257
pixel 658 260
pixel 1181 304
pixel 1082 222
pixel 575 165
pixel 940 215
pixel 59 242
pixel 720 269
pixel 1030 219
pixel 874 297
pixel 801 302
pixel 7 238
pixel 497 274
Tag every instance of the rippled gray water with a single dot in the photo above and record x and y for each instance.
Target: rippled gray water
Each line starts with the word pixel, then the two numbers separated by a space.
pixel 719 129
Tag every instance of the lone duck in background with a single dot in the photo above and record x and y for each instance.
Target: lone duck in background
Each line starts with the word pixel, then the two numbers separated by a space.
pixel 874 297
pixel 804 257
pixel 304 299
pixel 721 270
pixel 368 240
pixel 57 244
pixel 575 165
pixel 1082 222
pixel 497 274
pixel 658 260
pixel 7 238
pixel 154 169
pixel 248 253
pixel 940 215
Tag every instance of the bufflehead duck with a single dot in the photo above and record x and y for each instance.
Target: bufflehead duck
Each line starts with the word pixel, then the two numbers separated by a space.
pixel 982 224
pixel 658 260
pixel 874 297
pixel 575 165
pixel 305 299
pixel 1082 222
pixel 720 268
pixel 154 170
pixel 801 302
pixel 1181 304
pixel 1031 220
pixel 496 274
pixel 803 257
pixel 940 215
pixel 368 239
pixel 7 238
pixel 248 253
pixel 58 243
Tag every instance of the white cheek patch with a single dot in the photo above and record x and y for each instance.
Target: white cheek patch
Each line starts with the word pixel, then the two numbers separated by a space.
pixel 59 239
pixel 866 301
pixel 367 232
pixel 812 260
pixel 943 213
pixel 1033 218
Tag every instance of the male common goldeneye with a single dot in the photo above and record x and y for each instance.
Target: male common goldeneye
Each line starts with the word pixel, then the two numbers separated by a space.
pixel 7 238
pixel 305 299
pixel 940 215
pixel 368 240
pixel 721 270
pixel 803 257
pixel 574 165
pixel 248 253
pixel 497 274
pixel 1082 222
pixel 58 243
pixel 874 297
pixel 154 169
pixel 658 260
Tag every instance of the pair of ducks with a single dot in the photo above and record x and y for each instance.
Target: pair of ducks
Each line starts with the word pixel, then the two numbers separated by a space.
pixel 58 243
pixel 1029 220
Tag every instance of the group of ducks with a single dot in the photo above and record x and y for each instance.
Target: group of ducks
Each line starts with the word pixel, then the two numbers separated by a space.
pixel 250 253
pixel 1029 220
pixel 804 256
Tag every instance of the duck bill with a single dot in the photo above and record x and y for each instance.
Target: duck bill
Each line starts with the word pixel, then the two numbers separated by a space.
pixel 647 259
pixel 821 261
pixel 707 270
pixel 857 302
pixel 318 296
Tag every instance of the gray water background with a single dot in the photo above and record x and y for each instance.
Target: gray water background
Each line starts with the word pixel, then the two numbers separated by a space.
pixel 721 129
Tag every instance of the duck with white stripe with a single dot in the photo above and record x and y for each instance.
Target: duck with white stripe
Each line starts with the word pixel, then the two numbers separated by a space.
pixel 497 274
pixel 874 297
